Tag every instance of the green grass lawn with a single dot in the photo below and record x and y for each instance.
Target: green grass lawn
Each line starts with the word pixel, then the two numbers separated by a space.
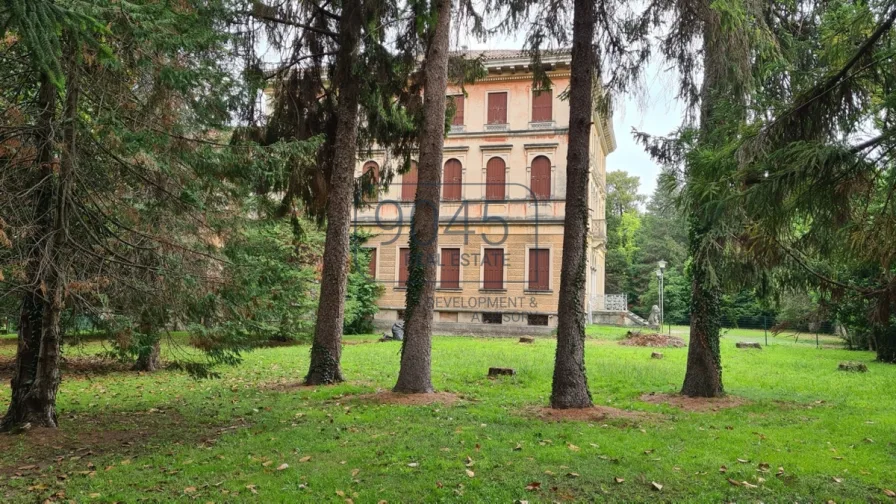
pixel 255 435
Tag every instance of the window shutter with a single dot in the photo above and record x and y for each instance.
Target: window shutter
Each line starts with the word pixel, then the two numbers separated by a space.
pixel 458 110
pixel 493 269
pixel 450 274
pixel 451 185
pixel 371 268
pixel 541 178
pixel 404 262
pixel 495 172
pixel 497 108
pixel 542 106
pixel 409 183
pixel 539 269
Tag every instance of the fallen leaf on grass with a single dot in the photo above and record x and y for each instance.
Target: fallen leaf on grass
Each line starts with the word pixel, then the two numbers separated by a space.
pixel 836 479
pixel 573 447
pixel 282 467
pixel 743 461
pixel 723 469
pixel 656 486
pixel 889 493
pixel 355 472
pixel 305 458
pixel 413 464
pixel 470 473
pixel 617 479
pixel 747 484
pixel 734 482
pixel 469 462
pixel 780 472
pixel 265 464
pixel 533 486
pixel 340 493
pixel 573 475
pixel 190 490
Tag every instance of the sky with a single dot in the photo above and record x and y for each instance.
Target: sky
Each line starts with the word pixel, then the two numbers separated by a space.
pixel 656 112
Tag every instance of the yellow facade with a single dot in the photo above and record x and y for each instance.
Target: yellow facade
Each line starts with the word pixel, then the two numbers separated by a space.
pixel 514 222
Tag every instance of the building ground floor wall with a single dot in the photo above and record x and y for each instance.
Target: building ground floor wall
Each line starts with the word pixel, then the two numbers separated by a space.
pixel 491 279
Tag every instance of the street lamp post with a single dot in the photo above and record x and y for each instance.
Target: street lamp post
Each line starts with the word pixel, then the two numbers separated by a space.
pixel 659 276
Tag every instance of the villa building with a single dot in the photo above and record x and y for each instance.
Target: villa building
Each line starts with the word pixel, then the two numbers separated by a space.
pixel 502 210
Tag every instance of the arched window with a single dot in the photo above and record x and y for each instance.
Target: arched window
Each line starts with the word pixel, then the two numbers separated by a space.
pixel 494 179
pixel 409 183
pixel 371 171
pixel 452 179
pixel 541 178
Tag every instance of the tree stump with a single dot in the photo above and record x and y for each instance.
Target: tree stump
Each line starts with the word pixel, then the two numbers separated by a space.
pixel 656 355
pixel 744 344
pixel 501 371
pixel 527 339
pixel 856 367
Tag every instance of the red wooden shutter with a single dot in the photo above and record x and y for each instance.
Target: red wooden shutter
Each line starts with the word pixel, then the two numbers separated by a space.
pixel 497 108
pixel 494 179
pixel 374 170
pixel 371 268
pixel 493 269
pixel 450 274
pixel 409 183
pixel 542 106
pixel 451 184
pixel 541 178
pixel 403 263
pixel 539 269
pixel 458 110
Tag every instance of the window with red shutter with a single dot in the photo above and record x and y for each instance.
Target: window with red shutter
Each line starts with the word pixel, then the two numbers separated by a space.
pixel 372 171
pixel 451 180
pixel 493 269
pixel 404 261
pixel 409 183
pixel 497 108
pixel 539 269
pixel 458 110
pixel 541 178
pixel 371 267
pixel 450 274
pixel 495 171
pixel 542 106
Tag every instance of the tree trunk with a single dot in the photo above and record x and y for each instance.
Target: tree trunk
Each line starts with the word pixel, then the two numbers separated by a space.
pixel 570 384
pixel 150 359
pixel 36 380
pixel 326 350
pixel 415 375
pixel 703 377
pixel 886 344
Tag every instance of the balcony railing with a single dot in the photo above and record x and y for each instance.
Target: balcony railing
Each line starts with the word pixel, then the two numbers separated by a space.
pixel 610 302
pixel 541 125
pixel 458 128
pixel 496 127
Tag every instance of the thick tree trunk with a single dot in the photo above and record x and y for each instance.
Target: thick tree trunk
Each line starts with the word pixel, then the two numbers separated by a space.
pixel 326 350
pixel 415 375
pixel 703 377
pixel 570 384
pixel 36 380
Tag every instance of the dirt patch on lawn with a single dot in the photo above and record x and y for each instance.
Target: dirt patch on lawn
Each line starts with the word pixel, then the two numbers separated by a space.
pixel 389 397
pixel 652 340
pixel 593 414
pixel 77 367
pixel 82 437
pixel 701 404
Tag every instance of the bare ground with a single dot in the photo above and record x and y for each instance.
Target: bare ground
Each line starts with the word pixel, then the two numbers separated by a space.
pixel 389 397
pixel 652 340
pixel 592 414
pixel 700 404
